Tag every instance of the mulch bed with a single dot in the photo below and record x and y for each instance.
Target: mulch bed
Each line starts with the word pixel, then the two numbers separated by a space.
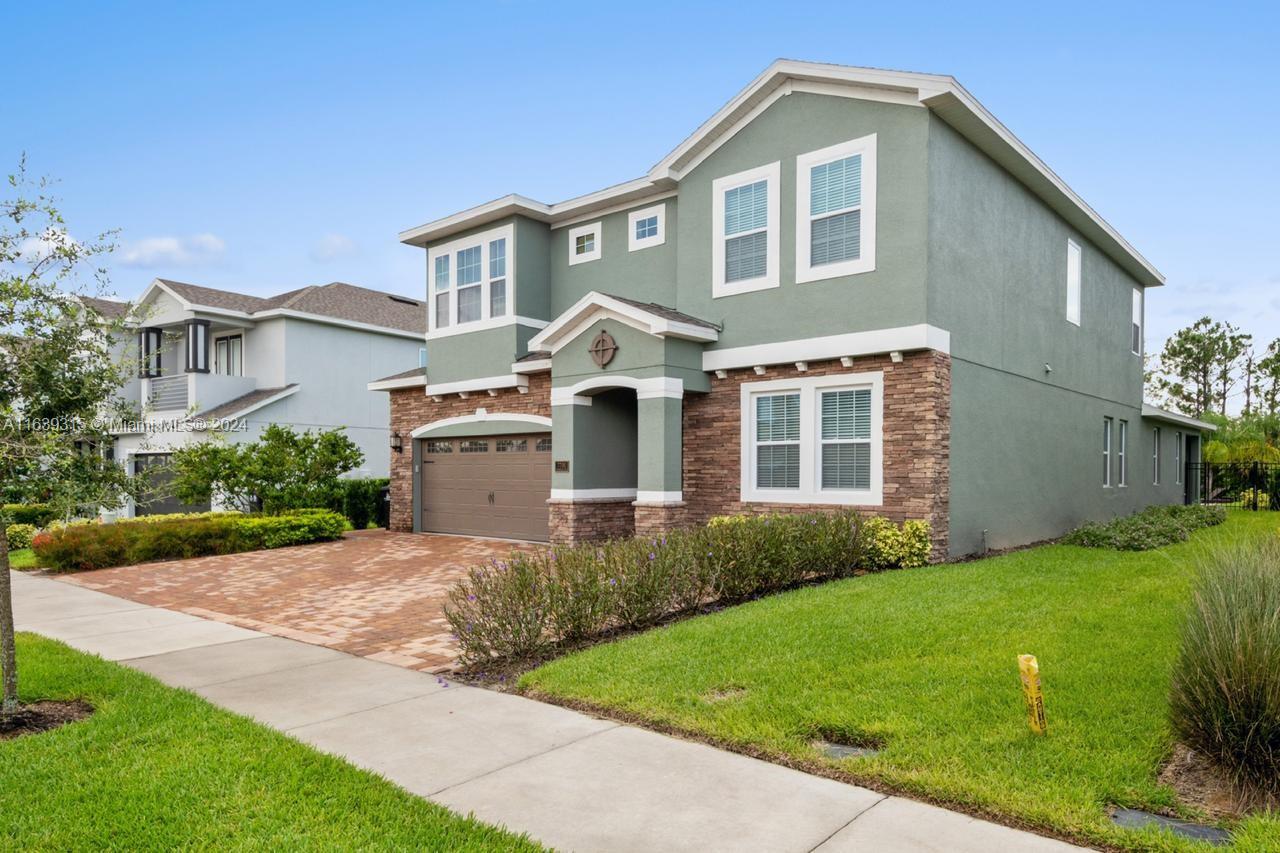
pixel 1199 783
pixel 42 716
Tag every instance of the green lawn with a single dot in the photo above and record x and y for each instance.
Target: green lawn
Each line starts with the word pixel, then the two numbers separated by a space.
pixel 23 558
pixel 925 659
pixel 158 768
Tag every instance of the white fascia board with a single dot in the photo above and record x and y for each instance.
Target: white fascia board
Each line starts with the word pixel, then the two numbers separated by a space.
pixel 1157 414
pixel 485 325
pixel 288 392
pixel 395 384
pixel 337 321
pixel 594 304
pixel 853 344
pixel 579 394
pixel 484 383
pixel 531 366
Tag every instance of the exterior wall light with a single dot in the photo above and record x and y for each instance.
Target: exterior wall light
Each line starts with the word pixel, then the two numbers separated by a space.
pixel 397 442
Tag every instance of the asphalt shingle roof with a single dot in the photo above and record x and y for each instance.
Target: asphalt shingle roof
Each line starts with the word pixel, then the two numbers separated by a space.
pixel 337 299
pixel 665 312
pixel 239 404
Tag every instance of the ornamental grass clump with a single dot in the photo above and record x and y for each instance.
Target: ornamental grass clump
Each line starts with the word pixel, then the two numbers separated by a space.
pixel 520 608
pixel 1225 695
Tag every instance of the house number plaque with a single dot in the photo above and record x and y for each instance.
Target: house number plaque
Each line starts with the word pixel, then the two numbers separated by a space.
pixel 603 348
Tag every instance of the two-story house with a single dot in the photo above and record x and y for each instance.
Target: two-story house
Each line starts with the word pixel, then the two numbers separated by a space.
pixel 216 361
pixel 849 287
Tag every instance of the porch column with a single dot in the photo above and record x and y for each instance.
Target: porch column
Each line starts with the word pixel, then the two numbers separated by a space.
pixel 659 502
pixel 593 470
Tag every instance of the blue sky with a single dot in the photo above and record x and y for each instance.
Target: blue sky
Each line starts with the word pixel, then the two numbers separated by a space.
pixel 262 147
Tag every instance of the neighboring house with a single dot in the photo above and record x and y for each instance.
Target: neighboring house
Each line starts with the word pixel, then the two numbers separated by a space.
pixel 849 287
pixel 302 359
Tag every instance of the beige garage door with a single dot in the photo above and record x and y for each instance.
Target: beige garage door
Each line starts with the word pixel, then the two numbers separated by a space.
pixel 494 485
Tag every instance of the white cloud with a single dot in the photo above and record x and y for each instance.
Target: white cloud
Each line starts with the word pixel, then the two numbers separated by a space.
pixel 195 250
pixel 331 247
pixel 35 249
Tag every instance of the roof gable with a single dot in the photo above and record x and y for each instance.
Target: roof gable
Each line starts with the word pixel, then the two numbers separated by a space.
pixel 942 94
pixel 648 317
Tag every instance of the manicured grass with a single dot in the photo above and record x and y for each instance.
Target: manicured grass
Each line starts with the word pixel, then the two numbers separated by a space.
pixel 156 768
pixel 925 659
pixel 23 558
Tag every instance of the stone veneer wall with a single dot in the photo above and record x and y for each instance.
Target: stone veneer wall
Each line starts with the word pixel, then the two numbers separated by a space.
pixel 411 408
pixel 590 520
pixel 917 441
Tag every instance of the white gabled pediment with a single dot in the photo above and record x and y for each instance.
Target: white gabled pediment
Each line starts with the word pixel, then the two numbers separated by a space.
pixel 601 306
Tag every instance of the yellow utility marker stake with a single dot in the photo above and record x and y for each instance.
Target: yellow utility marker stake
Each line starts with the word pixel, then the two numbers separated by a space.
pixel 1030 672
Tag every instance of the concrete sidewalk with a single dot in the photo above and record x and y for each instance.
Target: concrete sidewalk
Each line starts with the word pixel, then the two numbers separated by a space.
pixel 571 781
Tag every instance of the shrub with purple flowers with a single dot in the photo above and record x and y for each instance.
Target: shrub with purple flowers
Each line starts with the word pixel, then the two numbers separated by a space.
pixel 519 609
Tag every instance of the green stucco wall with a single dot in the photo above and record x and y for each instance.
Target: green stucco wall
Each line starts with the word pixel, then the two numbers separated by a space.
pixel 1026 442
pixel 601 439
pixel 891 295
pixel 640 355
pixel 476 354
pixel 648 275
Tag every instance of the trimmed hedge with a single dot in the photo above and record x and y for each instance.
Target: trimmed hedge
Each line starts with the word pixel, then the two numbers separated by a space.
pixel 36 514
pixel 523 606
pixel 358 500
pixel 1225 697
pixel 81 547
pixel 19 536
pixel 1154 527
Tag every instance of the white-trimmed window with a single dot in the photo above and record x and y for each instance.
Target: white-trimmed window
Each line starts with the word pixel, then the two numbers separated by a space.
pixel 584 243
pixel 646 227
pixel 745 231
pixel 1135 339
pixel 1122 448
pixel 228 355
pixel 836 210
pixel 1155 456
pixel 1106 452
pixel 1177 458
pixel 471 280
pixel 1073 282
pixel 814 440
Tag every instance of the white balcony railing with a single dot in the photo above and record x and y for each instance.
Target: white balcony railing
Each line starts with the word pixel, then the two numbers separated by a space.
pixel 168 393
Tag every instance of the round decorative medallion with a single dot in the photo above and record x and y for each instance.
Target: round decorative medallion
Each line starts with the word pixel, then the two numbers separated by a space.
pixel 603 347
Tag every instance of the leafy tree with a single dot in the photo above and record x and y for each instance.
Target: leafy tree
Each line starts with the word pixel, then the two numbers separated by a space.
pixel 1198 367
pixel 1268 379
pixel 59 377
pixel 283 470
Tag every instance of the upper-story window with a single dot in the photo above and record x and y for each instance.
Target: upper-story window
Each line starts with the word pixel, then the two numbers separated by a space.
pixel 1073 282
pixel 228 355
pixel 471 281
pixel 1135 333
pixel 584 243
pixel 745 231
pixel 646 227
pixel 836 210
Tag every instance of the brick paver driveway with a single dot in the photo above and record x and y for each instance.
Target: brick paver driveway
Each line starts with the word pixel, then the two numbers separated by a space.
pixel 375 594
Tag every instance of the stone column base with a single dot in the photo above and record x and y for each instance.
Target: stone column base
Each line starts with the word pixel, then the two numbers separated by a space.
pixel 590 520
pixel 655 519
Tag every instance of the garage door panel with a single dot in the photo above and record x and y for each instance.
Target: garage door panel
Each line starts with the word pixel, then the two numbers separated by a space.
pixel 487 486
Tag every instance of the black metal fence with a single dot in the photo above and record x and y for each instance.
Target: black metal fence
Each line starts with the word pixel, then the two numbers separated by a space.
pixel 1248 485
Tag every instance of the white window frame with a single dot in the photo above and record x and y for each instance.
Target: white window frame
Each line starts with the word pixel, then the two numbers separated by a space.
pixel 1155 456
pixel 634 243
pixel 771 173
pixel 810 490
pixel 1122 455
pixel 213 351
pixel 805 270
pixel 595 231
pixel 1108 427
pixel 505 232
pixel 1075 277
pixel 1138 298
pixel 1177 458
